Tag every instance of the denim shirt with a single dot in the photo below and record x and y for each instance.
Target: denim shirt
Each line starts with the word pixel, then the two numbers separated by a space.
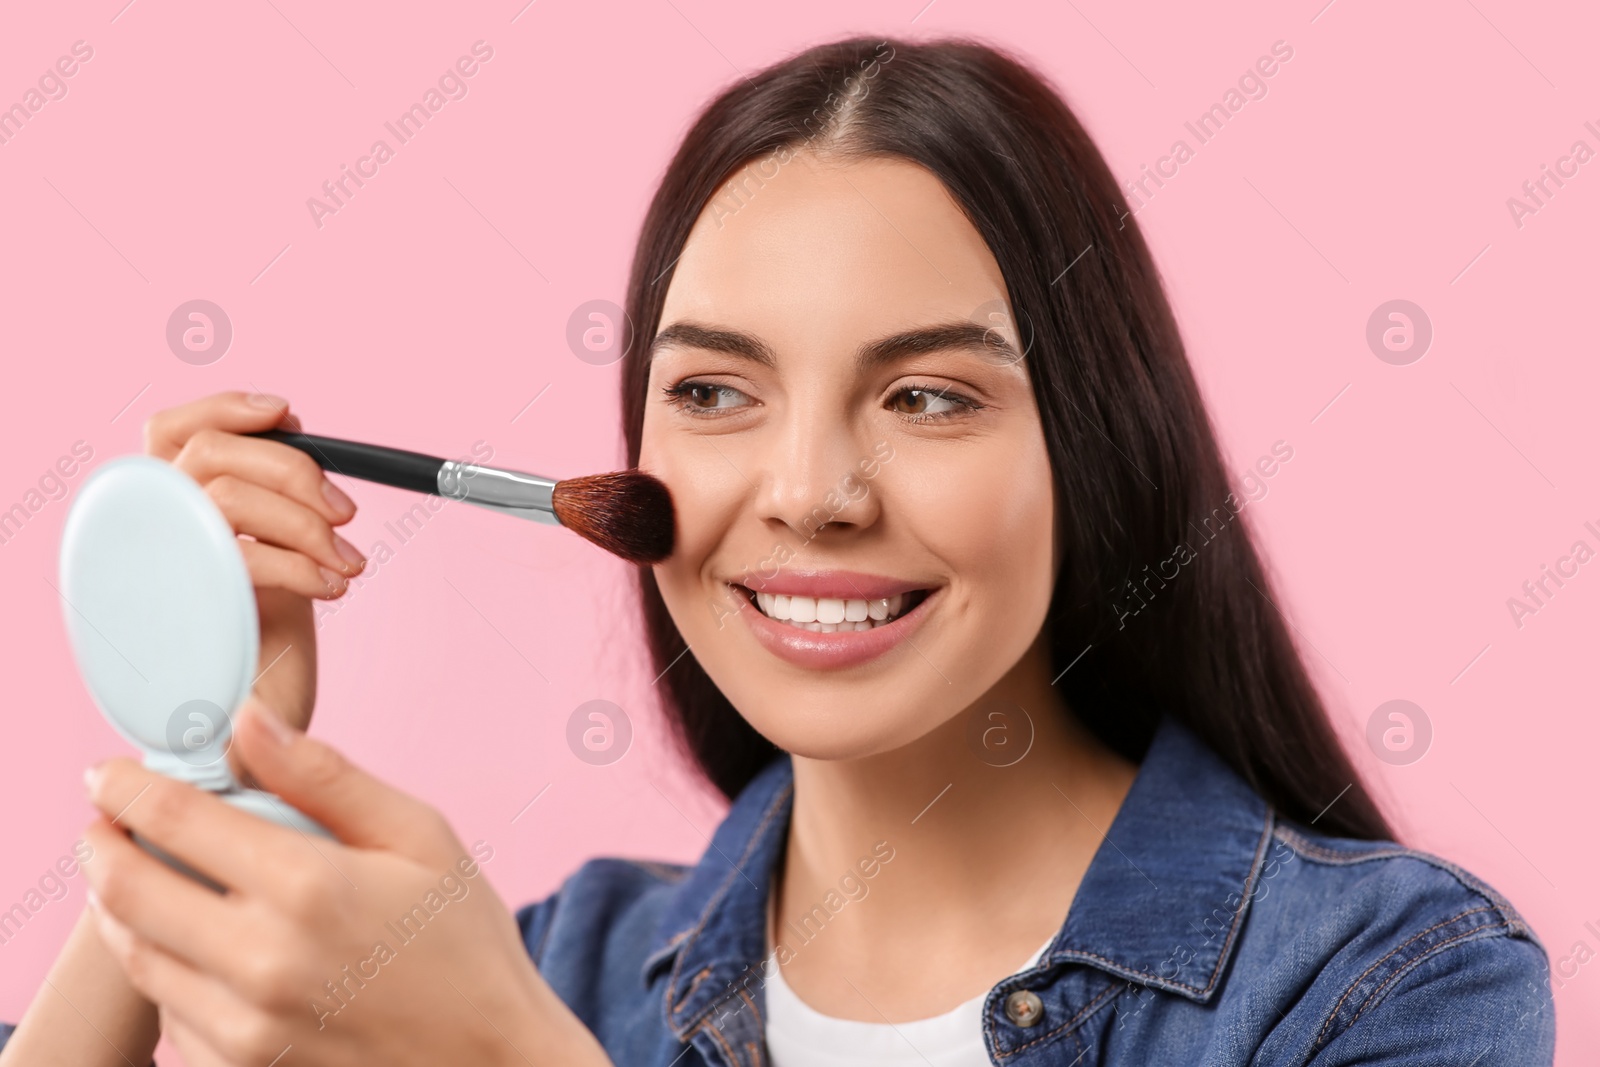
pixel 1208 930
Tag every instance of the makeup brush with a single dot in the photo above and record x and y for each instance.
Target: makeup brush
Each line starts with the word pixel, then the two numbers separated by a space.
pixel 627 513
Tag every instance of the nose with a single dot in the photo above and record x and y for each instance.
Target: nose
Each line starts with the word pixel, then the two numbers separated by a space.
pixel 815 479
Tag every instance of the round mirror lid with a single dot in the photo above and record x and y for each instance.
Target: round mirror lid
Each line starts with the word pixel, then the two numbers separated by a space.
pixel 161 614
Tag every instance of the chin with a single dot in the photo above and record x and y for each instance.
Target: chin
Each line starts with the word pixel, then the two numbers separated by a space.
pixel 827 730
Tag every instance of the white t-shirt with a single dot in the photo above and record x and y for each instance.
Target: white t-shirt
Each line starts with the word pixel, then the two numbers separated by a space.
pixel 800 1036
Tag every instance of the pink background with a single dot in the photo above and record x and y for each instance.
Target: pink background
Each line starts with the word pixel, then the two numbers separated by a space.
pixel 433 308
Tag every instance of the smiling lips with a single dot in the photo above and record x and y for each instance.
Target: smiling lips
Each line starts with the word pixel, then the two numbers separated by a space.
pixel 833 619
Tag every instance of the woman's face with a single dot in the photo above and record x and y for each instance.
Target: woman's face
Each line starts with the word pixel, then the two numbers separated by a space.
pixel 836 348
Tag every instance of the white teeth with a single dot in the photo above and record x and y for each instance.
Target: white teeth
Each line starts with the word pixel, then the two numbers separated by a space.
pixel 831 614
pixel 828 627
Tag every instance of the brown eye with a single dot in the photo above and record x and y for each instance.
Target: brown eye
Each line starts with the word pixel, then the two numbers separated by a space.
pixel 925 403
pixel 705 398
pixel 912 401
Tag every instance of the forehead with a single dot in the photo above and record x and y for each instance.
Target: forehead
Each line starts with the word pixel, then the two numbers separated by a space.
pixel 819 253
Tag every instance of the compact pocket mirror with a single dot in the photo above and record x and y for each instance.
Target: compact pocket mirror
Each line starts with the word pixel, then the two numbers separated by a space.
pixel 162 620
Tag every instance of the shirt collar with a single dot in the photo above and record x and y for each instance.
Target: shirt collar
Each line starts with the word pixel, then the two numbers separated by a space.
pixel 1163 898
pixel 1160 904
pixel 713 929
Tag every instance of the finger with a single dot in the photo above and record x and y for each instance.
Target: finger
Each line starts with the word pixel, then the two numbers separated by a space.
pixel 287 683
pixel 194 1049
pixel 166 432
pixel 230 846
pixel 278 568
pixel 279 520
pixel 200 1005
pixel 360 809
pixel 210 453
pixel 169 910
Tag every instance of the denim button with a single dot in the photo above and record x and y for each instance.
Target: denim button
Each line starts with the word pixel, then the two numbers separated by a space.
pixel 1024 1007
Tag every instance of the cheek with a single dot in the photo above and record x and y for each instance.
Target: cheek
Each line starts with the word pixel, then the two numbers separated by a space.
pixel 1024 515
pixel 707 492
pixel 989 514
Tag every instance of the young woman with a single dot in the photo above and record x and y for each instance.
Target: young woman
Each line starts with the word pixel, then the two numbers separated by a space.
pixel 1024 766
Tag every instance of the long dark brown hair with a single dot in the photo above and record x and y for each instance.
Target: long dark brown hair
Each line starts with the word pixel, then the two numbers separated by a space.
pixel 1136 464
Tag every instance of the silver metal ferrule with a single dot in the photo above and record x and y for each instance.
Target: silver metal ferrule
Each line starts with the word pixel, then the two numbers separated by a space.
pixel 527 496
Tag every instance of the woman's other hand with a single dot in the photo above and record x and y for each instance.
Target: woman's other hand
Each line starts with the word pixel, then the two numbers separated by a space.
pixel 386 947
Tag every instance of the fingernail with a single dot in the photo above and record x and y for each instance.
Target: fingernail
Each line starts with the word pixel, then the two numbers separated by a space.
pixel 348 552
pixel 334 579
pixel 279 730
pixel 337 498
pixel 91 777
pixel 268 400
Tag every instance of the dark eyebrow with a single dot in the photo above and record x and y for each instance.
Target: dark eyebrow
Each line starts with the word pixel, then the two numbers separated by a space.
pixel 688 334
pixel 940 337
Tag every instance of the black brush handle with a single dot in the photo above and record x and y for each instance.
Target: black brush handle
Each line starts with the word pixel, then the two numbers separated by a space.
pixel 370 463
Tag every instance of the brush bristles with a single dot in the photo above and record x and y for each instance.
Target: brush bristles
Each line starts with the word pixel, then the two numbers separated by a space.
pixel 627 513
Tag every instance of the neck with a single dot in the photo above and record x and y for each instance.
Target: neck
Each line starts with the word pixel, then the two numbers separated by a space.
pixel 979 847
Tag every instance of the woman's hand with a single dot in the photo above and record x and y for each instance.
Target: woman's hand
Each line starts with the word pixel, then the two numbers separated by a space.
pixel 387 947
pixel 285 509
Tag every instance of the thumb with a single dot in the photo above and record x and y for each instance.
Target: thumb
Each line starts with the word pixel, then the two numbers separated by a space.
pixel 359 809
